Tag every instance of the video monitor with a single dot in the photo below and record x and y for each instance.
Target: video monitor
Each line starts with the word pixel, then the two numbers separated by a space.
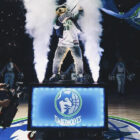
pixel 61 106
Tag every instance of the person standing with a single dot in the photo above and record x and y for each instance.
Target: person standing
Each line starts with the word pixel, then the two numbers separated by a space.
pixel 67 30
pixel 120 71
pixel 9 70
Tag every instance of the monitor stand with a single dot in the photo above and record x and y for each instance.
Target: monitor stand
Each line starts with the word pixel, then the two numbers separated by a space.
pixel 68 135
pixel 72 82
pixel 67 82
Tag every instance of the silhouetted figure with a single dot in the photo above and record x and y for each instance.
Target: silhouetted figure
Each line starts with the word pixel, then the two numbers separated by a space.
pixel 120 72
pixel 9 70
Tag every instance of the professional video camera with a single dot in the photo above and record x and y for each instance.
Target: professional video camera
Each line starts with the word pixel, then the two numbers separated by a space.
pixel 8 113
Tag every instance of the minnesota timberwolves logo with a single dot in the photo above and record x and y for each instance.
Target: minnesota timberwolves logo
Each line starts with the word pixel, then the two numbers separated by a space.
pixel 68 102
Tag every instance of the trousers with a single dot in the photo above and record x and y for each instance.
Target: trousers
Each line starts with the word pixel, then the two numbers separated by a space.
pixel 61 53
pixel 9 78
pixel 121 82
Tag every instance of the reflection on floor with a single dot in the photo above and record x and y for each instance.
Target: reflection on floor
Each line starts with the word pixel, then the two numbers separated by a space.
pixel 127 106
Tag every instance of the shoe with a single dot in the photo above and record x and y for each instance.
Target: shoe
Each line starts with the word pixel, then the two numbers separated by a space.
pixel 80 78
pixel 55 78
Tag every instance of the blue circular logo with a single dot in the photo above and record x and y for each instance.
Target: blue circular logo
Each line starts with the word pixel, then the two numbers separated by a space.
pixel 119 129
pixel 68 102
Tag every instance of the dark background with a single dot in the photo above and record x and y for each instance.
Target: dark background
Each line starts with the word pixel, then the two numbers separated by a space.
pixel 118 38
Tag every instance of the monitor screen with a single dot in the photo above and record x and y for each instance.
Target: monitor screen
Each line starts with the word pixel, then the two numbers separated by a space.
pixel 71 107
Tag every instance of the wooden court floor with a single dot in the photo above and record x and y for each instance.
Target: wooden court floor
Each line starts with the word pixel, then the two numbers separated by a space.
pixel 127 106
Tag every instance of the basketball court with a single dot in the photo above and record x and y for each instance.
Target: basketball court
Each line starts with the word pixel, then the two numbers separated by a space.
pixel 123 121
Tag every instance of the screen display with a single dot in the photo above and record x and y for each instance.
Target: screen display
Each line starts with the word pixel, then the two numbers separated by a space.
pixel 67 107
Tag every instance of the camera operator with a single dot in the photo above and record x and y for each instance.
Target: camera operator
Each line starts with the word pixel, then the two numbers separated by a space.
pixel 9 101
pixel 8 106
